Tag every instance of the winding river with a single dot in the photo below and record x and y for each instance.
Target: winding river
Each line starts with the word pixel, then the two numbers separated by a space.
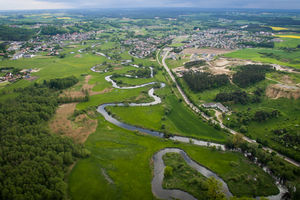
pixel 158 178
pixel 159 166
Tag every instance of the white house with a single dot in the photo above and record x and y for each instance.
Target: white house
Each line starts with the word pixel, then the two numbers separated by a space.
pixel 216 105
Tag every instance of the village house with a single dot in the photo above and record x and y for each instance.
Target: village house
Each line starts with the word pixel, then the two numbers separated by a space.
pixel 18 56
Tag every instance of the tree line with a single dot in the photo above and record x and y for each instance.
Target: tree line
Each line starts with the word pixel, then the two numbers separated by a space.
pixel 69 99
pixel 196 63
pixel 61 83
pixel 15 34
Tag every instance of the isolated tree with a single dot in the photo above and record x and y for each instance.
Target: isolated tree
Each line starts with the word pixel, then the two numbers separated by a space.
pixel 237 140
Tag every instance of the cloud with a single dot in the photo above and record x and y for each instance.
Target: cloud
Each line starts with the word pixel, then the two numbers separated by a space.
pixel 279 4
pixel 32 4
pixel 49 4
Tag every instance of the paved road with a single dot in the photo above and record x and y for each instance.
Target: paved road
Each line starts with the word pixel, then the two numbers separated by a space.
pixel 195 109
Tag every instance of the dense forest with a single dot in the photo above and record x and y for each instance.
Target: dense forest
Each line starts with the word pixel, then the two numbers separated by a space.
pixel 240 97
pixel 199 81
pixel 33 161
pixel 250 74
pixel 53 30
pixel 236 97
pixel 61 83
pixel 272 20
pixel 258 28
pixel 15 34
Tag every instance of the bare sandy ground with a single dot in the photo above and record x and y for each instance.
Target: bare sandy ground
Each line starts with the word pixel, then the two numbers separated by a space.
pixel 78 130
pixel 276 91
pixel 207 51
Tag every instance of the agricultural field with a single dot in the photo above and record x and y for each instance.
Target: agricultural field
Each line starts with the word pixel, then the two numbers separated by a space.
pixel 289 36
pixel 278 28
pixel 287 42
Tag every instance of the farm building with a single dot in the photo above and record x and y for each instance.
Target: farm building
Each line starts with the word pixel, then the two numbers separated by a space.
pixel 216 105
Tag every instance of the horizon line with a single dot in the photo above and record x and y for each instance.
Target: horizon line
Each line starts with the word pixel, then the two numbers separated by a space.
pixel 137 8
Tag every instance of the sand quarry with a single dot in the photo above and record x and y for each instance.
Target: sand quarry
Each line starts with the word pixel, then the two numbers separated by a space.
pixel 218 66
pixel 207 51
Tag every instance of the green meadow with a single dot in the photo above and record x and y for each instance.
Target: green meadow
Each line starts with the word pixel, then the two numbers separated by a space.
pixel 176 63
pixel 279 56
pixel 54 67
pixel 288 42
pixel 180 120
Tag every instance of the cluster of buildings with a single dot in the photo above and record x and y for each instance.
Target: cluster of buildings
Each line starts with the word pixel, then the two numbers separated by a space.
pixel 59 38
pixel 144 47
pixel 224 39
pixel 10 77
pixel 140 48
pixel 51 45
pixel 22 55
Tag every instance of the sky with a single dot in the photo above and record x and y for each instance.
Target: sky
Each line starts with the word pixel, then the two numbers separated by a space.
pixel 64 4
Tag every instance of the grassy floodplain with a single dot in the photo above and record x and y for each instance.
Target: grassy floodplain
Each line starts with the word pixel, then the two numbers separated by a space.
pixel 180 121
pixel 184 177
pixel 126 157
pixel 172 116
